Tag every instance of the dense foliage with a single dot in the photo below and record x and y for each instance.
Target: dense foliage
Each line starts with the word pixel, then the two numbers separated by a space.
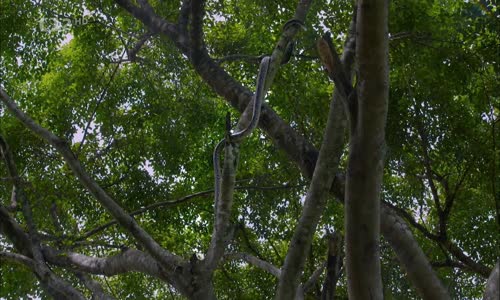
pixel 145 126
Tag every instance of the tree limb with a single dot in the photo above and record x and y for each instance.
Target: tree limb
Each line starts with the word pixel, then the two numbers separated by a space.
pixel 18 258
pixel 128 260
pixel 366 153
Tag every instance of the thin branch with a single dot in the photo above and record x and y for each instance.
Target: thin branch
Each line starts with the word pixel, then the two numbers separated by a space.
pixel 429 173
pixel 176 202
pixel 450 264
pixel 424 142
pixel 246 239
pixel 450 197
pixel 466 260
pixel 447 244
pixel 409 218
pixel 95 287
pixel 314 277
pixel 132 53
pixel 98 103
pixel 145 209
pixel 259 263
pixel 239 57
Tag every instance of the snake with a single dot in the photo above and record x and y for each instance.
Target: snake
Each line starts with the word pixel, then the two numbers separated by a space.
pixel 239 135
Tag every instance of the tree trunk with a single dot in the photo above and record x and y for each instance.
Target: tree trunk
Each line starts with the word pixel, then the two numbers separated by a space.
pixel 492 290
pixel 366 153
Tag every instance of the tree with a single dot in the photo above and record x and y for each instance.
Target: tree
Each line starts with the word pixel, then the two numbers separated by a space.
pixel 112 111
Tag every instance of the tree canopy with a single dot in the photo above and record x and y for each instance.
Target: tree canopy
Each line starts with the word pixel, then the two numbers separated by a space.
pixel 111 110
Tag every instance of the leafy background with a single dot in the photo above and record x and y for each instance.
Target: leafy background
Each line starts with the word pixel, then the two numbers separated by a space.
pixel 153 125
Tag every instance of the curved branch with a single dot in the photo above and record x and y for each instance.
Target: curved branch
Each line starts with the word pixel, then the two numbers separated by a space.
pixel 314 277
pixel 409 218
pixel 11 229
pixel 178 201
pixel 128 260
pixel 466 260
pixel 18 258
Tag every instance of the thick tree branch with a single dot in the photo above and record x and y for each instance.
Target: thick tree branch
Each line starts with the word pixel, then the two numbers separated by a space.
pixel 411 256
pixel 183 18
pixel 11 229
pixel 336 72
pixel 313 279
pixel 221 231
pixel 366 153
pixel 18 258
pixel 55 286
pixel 492 289
pixel 128 260
pixel 156 23
pixel 197 43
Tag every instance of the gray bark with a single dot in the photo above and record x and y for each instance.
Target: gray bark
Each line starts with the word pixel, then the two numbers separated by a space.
pixel 492 290
pixel 366 153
